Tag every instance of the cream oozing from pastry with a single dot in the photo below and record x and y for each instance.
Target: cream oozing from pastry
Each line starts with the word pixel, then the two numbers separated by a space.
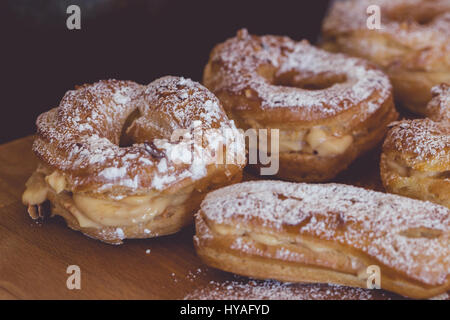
pixel 35 192
pixel 314 140
pixel 357 266
pixel 93 212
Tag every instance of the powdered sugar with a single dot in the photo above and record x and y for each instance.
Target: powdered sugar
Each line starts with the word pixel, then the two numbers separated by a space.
pixel 113 173
pixel 81 136
pixel 444 296
pixel 239 60
pixel 120 233
pixel 273 290
pixel 121 98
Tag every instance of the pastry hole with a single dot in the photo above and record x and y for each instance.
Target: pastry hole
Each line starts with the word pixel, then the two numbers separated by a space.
pixel 421 233
pixel 302 80
pixel 309 81
pixel 125 140
pixel 424 20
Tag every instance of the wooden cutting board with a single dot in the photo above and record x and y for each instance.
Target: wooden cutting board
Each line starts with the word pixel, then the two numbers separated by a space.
pixel 34 257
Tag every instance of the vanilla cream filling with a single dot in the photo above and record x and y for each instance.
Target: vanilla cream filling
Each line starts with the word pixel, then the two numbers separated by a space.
pixel 315 140
pixel 326 144
pixel 56 181
pixel 265 239
pixel 94 212
pixel 128 211
pixel 35 192
pixel 271 240
pixel 405 171
pixel 292 141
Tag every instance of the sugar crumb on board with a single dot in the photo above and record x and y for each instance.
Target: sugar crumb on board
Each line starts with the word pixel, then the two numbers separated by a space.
pixel 274 290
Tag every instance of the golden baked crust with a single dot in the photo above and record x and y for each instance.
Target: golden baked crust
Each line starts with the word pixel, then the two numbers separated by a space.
pixel 439 107
pixel 416 153
pixel 329 108
pixel 412 46
pixel 422 172
pixel 326 233
pixel 145 188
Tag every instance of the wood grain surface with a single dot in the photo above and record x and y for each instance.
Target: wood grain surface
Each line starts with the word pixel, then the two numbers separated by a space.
pixel 34 256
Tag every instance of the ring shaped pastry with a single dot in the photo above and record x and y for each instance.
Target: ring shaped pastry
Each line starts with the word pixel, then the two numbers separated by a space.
pixel 416 153
pixel 143 189
pixel 326 233
pixel 328 108
pixel 412 45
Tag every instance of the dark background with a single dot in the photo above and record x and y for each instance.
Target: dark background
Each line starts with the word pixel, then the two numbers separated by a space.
pixel 138 40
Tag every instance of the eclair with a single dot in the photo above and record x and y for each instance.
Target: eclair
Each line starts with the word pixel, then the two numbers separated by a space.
pixel 326 233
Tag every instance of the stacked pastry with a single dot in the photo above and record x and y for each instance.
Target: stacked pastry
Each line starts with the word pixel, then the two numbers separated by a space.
pixel 151 185
pixel 121 160
pixel 409 39
pixel 326 233
pixel 329 108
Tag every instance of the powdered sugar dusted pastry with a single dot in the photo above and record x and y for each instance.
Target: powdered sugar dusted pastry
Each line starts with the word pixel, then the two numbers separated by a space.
pixel 416 153
pixel 328 233
pixel 412 43
pixel 149 187
pixel 329 108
